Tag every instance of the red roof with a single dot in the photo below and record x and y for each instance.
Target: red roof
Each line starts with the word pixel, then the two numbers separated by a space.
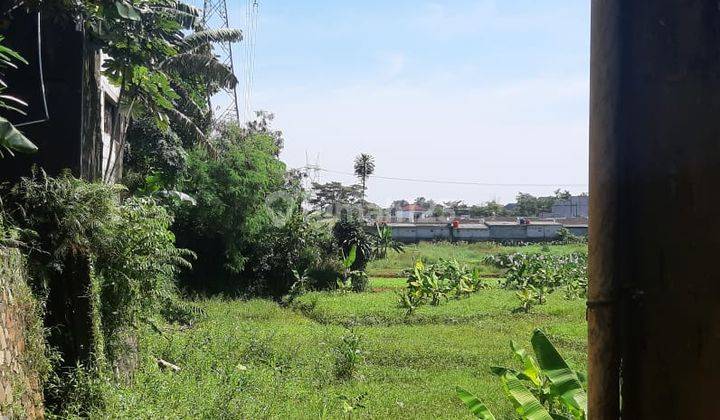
pixel 413 207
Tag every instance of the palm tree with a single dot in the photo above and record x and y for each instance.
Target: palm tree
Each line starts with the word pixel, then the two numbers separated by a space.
pixel 364 167
pixel 185 56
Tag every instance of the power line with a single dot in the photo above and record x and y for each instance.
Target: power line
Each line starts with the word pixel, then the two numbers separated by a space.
pixel 448 182
pixel 252 12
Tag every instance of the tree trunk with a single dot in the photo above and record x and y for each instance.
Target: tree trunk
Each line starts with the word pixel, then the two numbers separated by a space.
pixel 91 132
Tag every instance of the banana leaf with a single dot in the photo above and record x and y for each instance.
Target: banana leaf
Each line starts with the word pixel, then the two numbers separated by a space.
pixel 351 257
pixel 14 140
pixel 127 11
pixel 531 369
pixel 564 382
pixel 526 405
pixel 475 405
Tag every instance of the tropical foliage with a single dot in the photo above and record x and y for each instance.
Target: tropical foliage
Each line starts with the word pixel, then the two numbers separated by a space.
pixel 364 167
pixel 434 283
pixel 292 258
pixel 127 242
pixel 352 280
pixel 384 242
pixel 533 276
pixel 159 56
pixel 349 232
pixel 545 388
pixel 231 217
pixel 11 139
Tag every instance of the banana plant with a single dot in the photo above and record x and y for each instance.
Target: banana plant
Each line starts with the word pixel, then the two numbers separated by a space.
pixel 344 283
pixel 433 283
pixel 384 242
pixel 350 278
pixel 564 382
pixel 11 139
pixel 475 405
pixel 546 388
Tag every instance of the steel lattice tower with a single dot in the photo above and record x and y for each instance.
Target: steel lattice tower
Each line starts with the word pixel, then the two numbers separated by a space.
pixel 215 16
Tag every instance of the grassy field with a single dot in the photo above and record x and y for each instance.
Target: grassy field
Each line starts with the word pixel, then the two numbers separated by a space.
pixel 256 359
pixel 468 253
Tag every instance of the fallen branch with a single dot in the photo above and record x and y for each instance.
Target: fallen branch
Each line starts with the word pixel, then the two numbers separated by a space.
pixel 165 365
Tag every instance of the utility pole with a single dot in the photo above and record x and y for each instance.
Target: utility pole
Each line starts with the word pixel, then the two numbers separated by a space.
pixel 653 330
pixel 215 16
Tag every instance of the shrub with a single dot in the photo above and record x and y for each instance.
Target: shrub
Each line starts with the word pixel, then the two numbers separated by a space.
pixel 82 229
pixel 566 237
pixel 535 275
pixel 434 283
pixel 348 356
pixel 324 274
pixel 349 279
pixel 303 245
pixel 349 232
pixel 137 267
pixel 230 219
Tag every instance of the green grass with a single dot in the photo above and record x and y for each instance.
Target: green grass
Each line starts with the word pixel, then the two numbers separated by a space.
pixel 468 253
pixel 256 359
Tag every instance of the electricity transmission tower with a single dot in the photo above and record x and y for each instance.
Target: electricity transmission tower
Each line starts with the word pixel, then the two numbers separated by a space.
pixel 215 16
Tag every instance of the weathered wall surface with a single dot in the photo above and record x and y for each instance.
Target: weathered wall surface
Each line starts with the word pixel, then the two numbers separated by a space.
pixel 20 387
pixel 411 233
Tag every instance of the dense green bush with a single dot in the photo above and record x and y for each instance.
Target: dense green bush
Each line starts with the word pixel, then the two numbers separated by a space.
pixel 302 244
pixel 137 268
pixel 230 185
pixel 152 151
pixel 534 276
pixel 349 232
pixel 126 246
pixel 433 283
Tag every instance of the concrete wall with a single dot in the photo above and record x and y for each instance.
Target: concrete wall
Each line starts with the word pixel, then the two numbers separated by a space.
pixel 476 233
pixel 472 234
pixel 417 233
pixel 20 388
pixel 537 232
pixel 514 232
pixel 578 230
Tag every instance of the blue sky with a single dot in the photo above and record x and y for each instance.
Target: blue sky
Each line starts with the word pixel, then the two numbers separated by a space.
pixel 461 90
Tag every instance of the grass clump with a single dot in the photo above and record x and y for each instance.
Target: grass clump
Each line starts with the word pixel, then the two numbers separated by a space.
pixel 348 356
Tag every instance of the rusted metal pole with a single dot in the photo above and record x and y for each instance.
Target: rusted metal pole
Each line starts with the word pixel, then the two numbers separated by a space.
pixel 653 313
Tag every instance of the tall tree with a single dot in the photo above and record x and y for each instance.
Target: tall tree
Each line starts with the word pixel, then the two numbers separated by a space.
pixel 333 195
pixel 364 167
pixel 397 205
pixel 157 51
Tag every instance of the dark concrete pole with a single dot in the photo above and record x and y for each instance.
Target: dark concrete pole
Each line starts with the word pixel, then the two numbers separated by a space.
pixel 654 300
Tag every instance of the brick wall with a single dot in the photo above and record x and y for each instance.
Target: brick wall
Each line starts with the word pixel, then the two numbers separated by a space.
pixel 20 388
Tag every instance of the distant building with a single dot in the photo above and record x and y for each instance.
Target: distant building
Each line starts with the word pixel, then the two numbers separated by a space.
pixel 411 213
pixel 489 230
pixel 575 206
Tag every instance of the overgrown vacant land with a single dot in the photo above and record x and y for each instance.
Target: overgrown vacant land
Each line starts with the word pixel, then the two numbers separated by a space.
pixel 260 359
